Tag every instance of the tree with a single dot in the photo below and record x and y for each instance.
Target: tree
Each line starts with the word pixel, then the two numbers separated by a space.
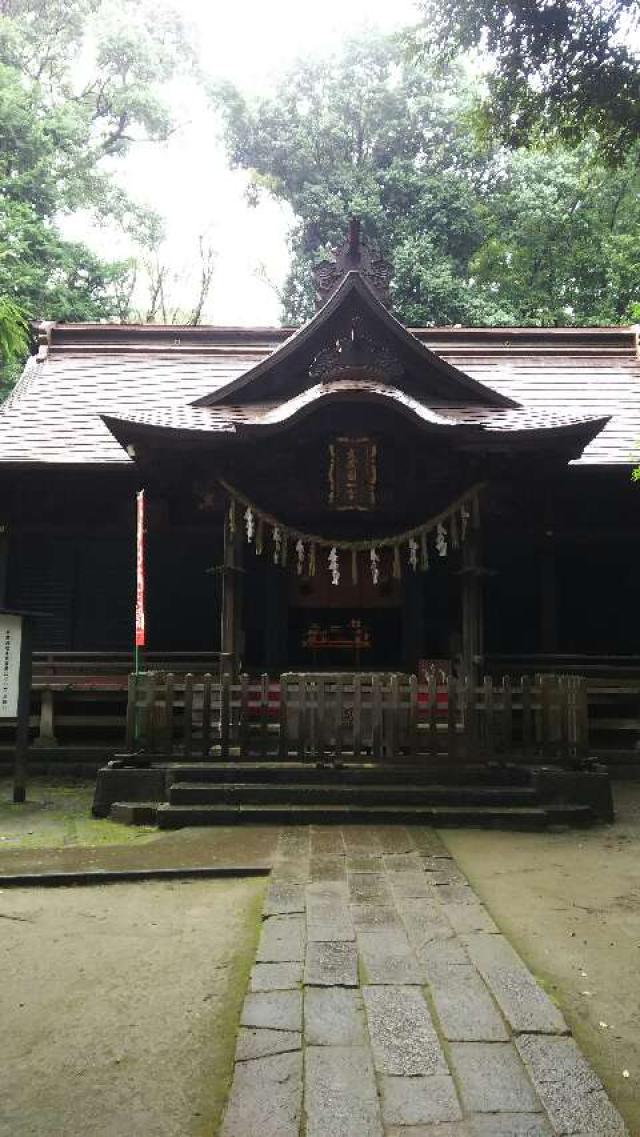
pixel 366 132
pixel 475 234
pixel 14 342
pixel 80 82
pixel 560 69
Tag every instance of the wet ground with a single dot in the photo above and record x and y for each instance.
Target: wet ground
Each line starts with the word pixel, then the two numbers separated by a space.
pixel 570 904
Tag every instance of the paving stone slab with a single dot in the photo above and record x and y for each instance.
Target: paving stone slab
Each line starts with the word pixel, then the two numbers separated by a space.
pixel 427 842
pixel 293 842
pixel 259 1043
pixel 334 1016
pixel 375 916
pixel 331 964
pixel 419 1101
pixel 275 1010
pixel 424 920
pixel 327 842
pixel 570 1089
pixel 361 839
pixel 266 1097
pixel 291 871
pixel 592 1115
pixel 403 1038
pixel 465 1009
pixel 386 957
pixel 328 914
pixel 369 888
pixel 395 839
pixel 411 883
pixel 523 1003
pixel 469 918
pixel 509 1125
pixel 437 957
pixel 439 1129
pixel 340 1093
pixel 442 871
pixel 276 976
pixel 282 940
pixel 363 862
pixel 328 868
pixel 492 1079
pixel 284 900
pixel 402 862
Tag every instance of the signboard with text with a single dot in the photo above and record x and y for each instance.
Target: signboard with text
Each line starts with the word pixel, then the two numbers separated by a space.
pixel 10 650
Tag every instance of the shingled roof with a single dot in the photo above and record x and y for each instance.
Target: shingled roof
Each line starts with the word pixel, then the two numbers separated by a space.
pixel 156 374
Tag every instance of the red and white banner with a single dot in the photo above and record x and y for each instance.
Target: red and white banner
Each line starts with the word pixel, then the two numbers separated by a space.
pixel 140 628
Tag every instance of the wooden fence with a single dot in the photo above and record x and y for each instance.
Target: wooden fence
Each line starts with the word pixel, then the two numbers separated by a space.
pixel 355 718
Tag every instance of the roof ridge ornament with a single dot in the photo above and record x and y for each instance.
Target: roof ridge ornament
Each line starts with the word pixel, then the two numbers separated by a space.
pixel 357 254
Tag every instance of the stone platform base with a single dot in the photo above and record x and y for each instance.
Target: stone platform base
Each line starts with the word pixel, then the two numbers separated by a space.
pixel 508 796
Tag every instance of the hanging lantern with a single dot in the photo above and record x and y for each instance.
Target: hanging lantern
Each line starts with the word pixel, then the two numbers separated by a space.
pixel 250 523
pixel 413 553
pixel 375 565
pixel 441 539
pixel 300 556
pixel 277 544
pixel 334 566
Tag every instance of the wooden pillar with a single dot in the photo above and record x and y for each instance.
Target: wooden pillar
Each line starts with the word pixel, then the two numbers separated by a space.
pixel 4 562
pixel 472 606
pixel 231 609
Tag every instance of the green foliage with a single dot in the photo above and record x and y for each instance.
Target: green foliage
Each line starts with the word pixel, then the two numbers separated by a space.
pixel 562 70
pixel 475 234
pixel 80 82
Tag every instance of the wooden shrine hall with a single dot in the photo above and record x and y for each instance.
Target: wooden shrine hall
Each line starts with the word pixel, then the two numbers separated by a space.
pixel 351 498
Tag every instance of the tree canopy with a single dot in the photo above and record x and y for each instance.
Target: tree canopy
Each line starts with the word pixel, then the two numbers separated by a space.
pixel 475 234
pixel 559 69
pixel 80 82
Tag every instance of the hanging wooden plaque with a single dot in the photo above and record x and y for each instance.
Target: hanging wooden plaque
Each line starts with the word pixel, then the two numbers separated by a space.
pixel 352 474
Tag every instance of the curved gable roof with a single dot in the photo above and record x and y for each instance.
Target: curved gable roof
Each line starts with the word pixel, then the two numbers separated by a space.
pixel 286 372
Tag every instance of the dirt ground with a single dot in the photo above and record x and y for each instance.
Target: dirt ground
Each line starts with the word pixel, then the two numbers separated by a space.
pixel 119 1006
pixel 570 903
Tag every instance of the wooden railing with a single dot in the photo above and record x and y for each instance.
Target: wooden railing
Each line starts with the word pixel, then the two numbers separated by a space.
pixel 356 718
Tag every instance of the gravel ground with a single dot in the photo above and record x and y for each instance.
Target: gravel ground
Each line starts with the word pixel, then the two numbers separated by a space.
pixel 119 1006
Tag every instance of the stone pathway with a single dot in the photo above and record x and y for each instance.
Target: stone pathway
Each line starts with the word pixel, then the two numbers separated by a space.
pixel 384 1002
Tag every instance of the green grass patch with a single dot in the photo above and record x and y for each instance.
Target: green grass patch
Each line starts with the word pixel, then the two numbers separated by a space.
pixel 57 815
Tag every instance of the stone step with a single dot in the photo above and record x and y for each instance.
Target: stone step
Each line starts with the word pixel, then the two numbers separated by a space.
pixel 492 817
pixel 330 793
pixel 356 773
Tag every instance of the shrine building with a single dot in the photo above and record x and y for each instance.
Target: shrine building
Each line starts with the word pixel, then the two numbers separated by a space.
pixel 348 494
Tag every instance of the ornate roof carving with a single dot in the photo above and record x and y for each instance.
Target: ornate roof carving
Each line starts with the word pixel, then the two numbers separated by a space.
pixel 359 255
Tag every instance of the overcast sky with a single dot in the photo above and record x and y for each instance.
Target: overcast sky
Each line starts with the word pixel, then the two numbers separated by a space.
pixel 187 180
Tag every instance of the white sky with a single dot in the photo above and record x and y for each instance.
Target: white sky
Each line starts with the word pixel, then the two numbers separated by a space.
pixel 187 180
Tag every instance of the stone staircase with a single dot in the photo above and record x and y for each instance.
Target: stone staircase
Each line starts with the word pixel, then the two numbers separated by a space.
pixel 488 796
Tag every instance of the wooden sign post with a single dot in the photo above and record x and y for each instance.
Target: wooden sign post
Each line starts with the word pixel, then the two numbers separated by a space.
pixel 15 688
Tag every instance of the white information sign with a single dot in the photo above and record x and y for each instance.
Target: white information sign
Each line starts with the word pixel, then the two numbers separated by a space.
pixel 10 644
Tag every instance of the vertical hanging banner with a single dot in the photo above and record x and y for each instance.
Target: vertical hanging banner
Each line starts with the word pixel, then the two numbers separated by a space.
pixel 140 623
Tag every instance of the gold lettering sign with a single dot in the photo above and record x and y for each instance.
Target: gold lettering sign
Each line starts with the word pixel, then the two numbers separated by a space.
pixel 352 473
